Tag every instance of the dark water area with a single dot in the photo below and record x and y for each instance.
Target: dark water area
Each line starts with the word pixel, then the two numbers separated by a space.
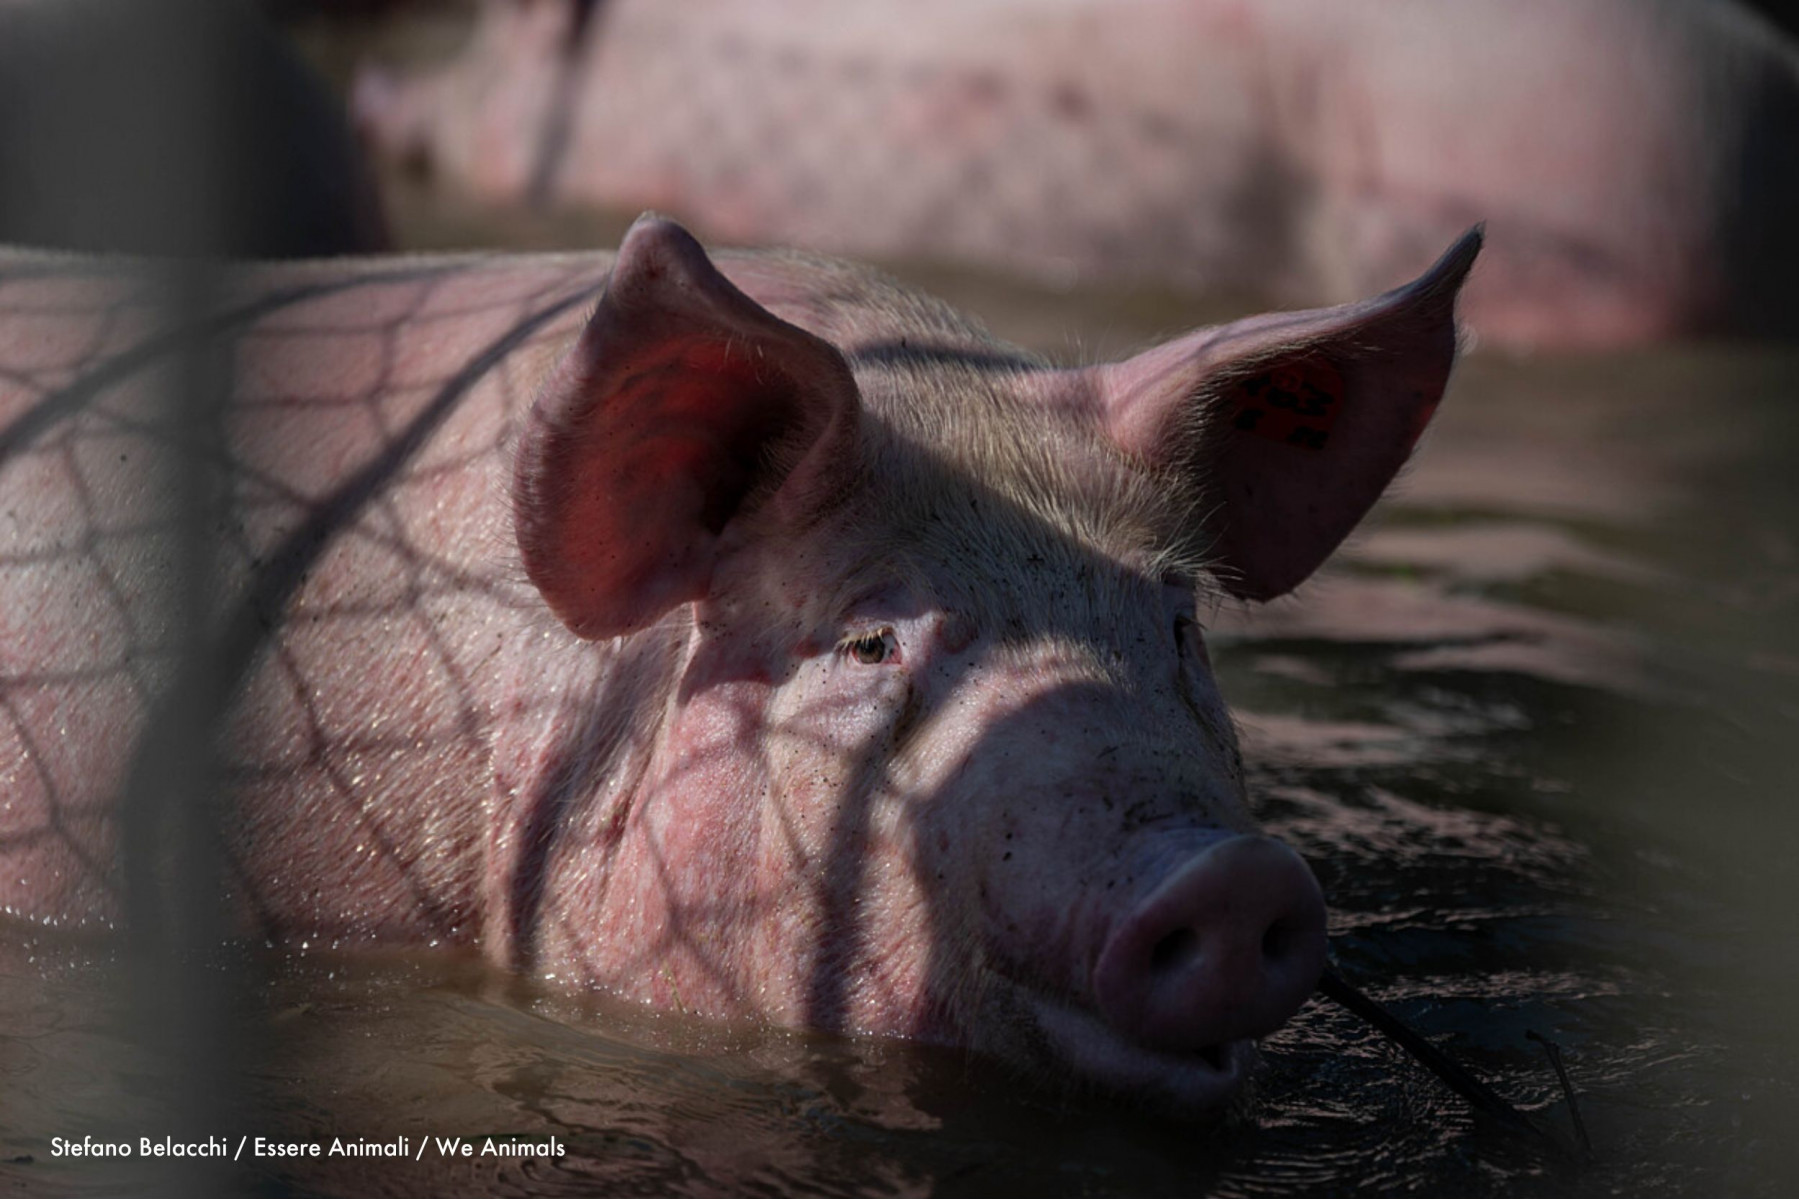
pixel 1537 729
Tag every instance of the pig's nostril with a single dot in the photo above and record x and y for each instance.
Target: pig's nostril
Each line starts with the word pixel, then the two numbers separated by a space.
pixel 1277 941
pixel 1174 951
pixel 1213 1056
pixel 1227 947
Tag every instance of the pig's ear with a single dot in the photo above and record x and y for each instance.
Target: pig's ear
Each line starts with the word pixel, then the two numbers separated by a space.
pixel 683 405
pixel 1291 425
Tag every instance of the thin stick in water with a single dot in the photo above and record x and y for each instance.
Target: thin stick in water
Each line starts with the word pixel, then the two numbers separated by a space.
pixel 1454 1076
pixel 1561 1072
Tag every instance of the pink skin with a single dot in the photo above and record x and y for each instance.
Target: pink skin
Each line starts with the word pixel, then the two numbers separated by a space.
pixel 1632 158
pixel 833 664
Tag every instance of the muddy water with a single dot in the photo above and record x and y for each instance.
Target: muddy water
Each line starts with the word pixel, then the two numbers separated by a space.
pixel 1537 728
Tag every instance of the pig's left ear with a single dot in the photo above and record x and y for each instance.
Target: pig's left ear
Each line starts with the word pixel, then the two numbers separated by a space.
pixel 683 406
pixel 1291 425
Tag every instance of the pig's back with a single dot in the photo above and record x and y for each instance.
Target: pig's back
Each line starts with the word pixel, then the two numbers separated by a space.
pixel 361 573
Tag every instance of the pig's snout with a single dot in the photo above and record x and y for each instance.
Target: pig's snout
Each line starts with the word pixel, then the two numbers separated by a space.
pixel 1228 946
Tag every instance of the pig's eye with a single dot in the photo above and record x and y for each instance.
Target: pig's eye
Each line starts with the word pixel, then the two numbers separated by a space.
pixel 872 648
pixel 1190 639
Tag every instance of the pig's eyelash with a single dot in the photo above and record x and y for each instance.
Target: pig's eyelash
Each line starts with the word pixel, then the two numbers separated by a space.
pixel 1189 645
pixel 875 647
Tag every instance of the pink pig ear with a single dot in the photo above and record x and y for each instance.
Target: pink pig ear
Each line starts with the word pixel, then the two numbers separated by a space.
pixel 683 405
pixel 1293 424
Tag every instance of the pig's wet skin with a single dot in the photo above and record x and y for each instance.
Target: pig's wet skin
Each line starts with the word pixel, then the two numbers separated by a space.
pixel 767 645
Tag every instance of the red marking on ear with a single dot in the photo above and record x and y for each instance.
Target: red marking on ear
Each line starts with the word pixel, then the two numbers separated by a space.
pixel 682 401
pixel 1295 403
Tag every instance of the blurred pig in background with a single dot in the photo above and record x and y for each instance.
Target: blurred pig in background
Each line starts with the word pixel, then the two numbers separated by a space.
pixel 1635 159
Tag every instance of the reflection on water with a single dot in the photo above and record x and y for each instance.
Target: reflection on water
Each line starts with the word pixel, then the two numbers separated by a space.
pixel 1536 729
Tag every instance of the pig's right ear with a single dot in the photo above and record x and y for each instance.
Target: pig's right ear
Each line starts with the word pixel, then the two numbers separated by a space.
pixel 683 405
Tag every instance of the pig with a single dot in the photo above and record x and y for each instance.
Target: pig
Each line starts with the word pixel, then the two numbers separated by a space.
pixel 762 641
pixel 1635 159
pixel 173 127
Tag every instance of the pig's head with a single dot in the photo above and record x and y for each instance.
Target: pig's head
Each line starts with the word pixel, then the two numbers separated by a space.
pixel 923 735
